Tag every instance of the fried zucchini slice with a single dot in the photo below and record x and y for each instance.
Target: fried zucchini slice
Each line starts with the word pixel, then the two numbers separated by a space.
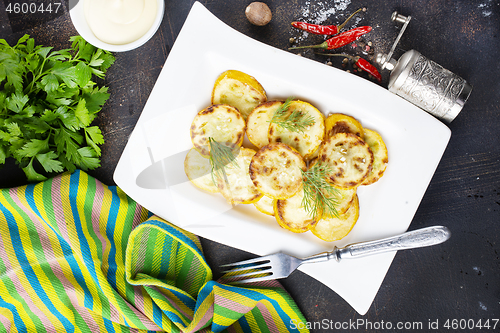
pixel 265 205
pixel 276 170
pixel 314 155
pixel 334 228
pixel 240 90
pixel 221 122
pixel 349 158
pixel 258 122
pixel 380 156
pixel 342 123
pixel 199 171
pixel 343 196
pixel 239 188
pixel 292 216
pixel 305 142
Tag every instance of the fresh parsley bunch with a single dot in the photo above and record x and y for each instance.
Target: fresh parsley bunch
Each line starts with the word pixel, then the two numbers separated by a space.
pixel 48 100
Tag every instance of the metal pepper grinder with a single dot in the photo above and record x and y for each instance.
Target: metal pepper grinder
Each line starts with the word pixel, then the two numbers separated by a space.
pixel 423 82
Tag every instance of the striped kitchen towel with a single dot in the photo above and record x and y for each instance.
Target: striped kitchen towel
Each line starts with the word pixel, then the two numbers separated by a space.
pixel 79 256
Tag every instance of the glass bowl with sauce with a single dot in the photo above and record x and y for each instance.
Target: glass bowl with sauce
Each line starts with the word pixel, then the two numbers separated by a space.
pixel 117 25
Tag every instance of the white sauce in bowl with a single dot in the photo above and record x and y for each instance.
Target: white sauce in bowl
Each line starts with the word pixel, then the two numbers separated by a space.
pixel 120 21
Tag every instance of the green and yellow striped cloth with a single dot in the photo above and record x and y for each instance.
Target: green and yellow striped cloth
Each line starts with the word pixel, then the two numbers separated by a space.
pixel 80 256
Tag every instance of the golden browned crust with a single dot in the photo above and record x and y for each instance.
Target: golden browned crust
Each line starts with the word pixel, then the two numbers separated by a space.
pixel 381 159
pixel 342 123
pixel 258 122
pixel 291 215
pixel 307 141
pixel 349 157
pixel 221 122
pixel 237 187
pixel 334 228
pixel 276 170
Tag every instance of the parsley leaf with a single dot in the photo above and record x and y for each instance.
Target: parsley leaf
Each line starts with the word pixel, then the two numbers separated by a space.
pixel 96 98
pixel 3 154
pixel 89 158
pixel 32 148
pixel 94 138
pixel 82 113
pixel 50 83
pixel 16 102
pixel 32 175
pixel 49 162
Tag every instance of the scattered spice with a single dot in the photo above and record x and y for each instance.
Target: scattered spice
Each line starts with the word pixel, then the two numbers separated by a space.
pixel 317 12
pixel 319 29
pixel 359 63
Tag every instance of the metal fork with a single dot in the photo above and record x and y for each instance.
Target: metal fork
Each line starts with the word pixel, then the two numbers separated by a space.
pixel 280 265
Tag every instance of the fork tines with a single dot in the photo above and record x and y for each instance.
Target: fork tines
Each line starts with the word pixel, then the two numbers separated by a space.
pixel 252 270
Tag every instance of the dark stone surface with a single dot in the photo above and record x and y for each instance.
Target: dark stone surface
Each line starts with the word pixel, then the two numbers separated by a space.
pixel 460 279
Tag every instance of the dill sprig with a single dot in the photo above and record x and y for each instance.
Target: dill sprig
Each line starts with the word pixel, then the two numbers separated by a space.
pixel 297 121
pixel 220 156
pixel 319 195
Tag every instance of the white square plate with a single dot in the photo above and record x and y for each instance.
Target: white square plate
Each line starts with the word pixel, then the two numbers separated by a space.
pixel 150 169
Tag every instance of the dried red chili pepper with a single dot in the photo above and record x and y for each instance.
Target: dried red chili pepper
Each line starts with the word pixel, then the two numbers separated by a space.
pixel 369 68
pixel 361 63
pixel 323 29
pixel 339 40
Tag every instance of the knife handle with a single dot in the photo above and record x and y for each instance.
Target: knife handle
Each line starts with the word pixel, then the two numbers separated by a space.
pixel 409 240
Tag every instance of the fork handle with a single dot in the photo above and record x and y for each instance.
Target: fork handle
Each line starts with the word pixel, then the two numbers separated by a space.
pixel 409 240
